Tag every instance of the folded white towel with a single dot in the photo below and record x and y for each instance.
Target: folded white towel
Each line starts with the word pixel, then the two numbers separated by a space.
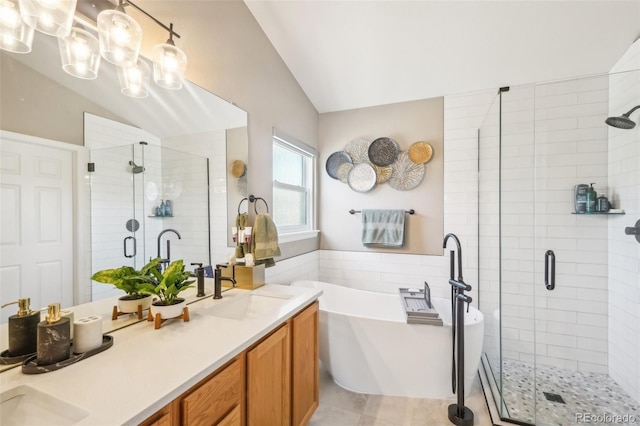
pixel 383 228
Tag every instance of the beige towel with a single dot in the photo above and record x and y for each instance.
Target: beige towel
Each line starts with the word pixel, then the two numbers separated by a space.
pixel 264 240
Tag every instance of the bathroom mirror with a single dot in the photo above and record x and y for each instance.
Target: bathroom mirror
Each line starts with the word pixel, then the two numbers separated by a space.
pixel 39 99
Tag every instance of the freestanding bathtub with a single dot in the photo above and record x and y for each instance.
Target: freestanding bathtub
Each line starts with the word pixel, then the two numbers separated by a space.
pixel 367 346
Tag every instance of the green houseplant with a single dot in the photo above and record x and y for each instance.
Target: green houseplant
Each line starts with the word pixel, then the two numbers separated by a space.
pixel 134 283
pixel 167 285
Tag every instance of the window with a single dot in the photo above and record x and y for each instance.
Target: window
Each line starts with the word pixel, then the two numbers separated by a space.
pixel 293 184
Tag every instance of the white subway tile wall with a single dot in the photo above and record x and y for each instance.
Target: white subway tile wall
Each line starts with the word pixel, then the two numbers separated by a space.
pixel 624 250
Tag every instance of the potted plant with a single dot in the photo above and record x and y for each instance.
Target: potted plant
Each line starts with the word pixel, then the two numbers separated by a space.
pixel 132 282
pixel 167 285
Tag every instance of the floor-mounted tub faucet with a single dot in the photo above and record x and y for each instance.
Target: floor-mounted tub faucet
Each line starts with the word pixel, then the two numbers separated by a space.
pixel 458 414
pixel 167 260
pixel 451 263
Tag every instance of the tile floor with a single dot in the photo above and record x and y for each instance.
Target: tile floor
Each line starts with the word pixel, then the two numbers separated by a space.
pixel 340 407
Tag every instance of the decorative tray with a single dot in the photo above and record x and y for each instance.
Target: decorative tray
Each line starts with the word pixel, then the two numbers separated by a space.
pixel 30 365
pixel 6 359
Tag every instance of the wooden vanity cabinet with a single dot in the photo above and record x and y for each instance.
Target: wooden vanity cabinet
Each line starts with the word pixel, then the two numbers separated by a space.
pixel 274 382
pixel 305 387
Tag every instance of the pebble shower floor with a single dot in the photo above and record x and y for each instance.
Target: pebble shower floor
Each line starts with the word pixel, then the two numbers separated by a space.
pixel 589 398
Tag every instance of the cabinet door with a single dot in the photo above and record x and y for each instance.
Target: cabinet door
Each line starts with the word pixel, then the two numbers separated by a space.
pixel 304 386
pixel 216 397
pixel 269 380
pixel 163 417
pixel 234 418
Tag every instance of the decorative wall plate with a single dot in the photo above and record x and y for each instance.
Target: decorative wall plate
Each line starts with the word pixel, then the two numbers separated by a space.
pixel 358 150
pixel 334 161
pixel 420 152
pixel 343 171
pixel 362 178
pixel 382 173
pixel 383 151
pixel 406 174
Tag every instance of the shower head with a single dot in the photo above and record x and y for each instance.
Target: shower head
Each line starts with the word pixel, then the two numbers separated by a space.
pixel 623 121
pixel 135 169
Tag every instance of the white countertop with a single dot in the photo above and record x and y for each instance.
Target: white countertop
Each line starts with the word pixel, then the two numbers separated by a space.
pixel 145 369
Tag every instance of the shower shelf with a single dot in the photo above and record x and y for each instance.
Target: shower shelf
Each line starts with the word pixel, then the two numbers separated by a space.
pixel 598 213
pixel 159 217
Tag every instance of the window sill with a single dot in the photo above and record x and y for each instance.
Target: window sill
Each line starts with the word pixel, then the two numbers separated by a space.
pixel 297 236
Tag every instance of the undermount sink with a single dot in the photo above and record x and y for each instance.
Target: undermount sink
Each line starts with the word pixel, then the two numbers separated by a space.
pixel 24 405
pixel 246 306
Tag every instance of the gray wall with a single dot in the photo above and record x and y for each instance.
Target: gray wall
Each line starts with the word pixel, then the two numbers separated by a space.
pixel 406 122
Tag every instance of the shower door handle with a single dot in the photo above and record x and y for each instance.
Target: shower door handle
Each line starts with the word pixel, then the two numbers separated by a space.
pixel 550 270
pixel 134 247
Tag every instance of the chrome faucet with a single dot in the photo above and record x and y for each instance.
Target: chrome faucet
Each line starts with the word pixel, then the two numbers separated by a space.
pixel 166 261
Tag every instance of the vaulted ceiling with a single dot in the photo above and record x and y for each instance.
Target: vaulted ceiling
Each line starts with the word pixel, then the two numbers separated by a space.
pixel 353 54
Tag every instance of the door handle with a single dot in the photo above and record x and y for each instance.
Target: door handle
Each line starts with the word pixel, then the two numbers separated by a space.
pixel 550 270
pixel 134 247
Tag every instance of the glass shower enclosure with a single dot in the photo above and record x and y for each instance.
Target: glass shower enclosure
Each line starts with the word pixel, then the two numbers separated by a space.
pixel 560 290
pixel 129 184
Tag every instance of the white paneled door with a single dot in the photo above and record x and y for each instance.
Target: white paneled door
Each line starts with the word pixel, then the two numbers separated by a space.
pixel 36 229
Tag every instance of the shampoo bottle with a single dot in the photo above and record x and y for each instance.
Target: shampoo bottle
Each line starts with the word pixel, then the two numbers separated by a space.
pixel 23 329
pixel 591 199
pixel 54 337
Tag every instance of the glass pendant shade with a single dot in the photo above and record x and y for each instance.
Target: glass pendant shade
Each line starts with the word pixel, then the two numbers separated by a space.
pixel 80 54
pixel 53 17
pixel 134 81
pixel 120 38
pixel 169 65
pixel 15 35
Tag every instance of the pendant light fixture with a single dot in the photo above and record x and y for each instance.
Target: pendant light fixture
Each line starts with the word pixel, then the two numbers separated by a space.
pixel 53 17
pixel 15 35
pixel 134 81
pixel 120 37
pixel 80 54
pixel 169 64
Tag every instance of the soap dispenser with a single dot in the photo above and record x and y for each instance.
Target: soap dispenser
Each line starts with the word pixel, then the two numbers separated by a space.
pixel 54 337
pixel 22 329
pixel 591 199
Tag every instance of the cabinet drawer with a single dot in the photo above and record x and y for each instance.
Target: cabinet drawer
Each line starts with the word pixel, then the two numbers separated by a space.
pixel 215 398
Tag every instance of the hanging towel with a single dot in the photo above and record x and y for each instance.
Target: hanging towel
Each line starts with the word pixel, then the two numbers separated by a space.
pixel 383 228
pixel 241 248
pixel 264 240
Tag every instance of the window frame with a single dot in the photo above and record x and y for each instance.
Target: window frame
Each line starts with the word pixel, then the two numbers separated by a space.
pixel 309 179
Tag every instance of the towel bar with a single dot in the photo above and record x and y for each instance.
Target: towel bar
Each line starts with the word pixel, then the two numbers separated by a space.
pixel 352 211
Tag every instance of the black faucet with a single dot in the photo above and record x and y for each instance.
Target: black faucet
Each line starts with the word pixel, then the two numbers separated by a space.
pixel 218 278
pixel 458 414
pixel 451 264
pixel 200 278
pixel 166 261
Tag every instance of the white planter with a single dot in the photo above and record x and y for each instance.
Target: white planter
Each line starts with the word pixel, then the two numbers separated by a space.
pixel 130 306
pixel 170 311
